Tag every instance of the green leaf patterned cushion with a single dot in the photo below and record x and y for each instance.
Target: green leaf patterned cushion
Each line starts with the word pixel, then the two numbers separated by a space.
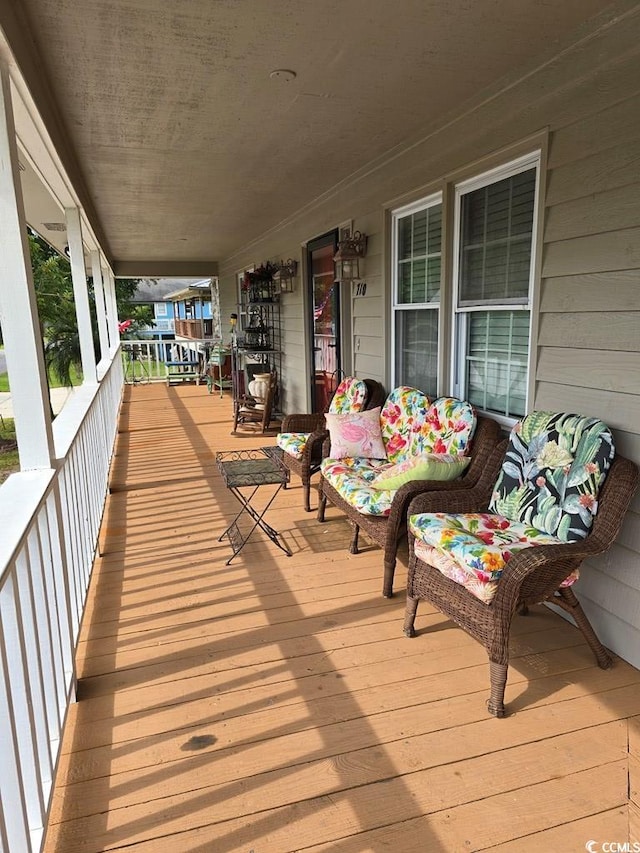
pixel 553 469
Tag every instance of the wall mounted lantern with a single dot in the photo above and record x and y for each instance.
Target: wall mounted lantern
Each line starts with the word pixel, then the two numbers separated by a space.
pixel 348 258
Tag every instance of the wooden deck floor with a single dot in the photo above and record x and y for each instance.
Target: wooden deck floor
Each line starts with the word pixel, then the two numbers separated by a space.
pixel 274 705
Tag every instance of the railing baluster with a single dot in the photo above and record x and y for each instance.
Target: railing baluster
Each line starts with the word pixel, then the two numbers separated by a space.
pixel 21 702
pixel 15 822
pixel 45 568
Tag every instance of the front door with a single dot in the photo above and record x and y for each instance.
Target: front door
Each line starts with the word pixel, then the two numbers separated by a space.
pixel 324 320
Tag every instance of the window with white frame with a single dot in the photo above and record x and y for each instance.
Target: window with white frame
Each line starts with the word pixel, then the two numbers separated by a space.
pixel 417 253
pixel 493 274
pixel 160 309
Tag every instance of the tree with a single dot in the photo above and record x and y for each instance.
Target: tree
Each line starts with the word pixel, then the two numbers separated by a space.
pixel 56 308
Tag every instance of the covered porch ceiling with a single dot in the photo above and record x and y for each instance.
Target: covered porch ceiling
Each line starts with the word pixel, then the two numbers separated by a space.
pixel 182 147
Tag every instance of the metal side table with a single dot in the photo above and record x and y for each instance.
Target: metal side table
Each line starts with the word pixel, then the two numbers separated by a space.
pixel 248 470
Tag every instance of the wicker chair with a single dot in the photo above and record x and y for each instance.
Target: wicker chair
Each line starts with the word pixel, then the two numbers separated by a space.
pixel 310 431
pixel 387 530
pixel 528 576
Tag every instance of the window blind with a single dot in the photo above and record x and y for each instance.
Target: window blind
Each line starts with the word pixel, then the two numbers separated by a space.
pixel 496 361
pixel 495 246
pixel 416 355
pixel 419 256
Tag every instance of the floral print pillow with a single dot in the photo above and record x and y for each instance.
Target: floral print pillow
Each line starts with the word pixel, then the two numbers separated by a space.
pixel 553 469
pixel 356 434
pixel 350 396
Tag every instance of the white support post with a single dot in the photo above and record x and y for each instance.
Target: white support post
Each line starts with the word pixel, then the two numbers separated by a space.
pixel 98 291
pixel 116 319
pixel 81 296
pixel 112 312
pixel 106 287
pixel 18 307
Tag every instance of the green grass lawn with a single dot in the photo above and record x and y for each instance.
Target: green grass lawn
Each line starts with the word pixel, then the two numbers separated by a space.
pixel 9 463
pixel 54 382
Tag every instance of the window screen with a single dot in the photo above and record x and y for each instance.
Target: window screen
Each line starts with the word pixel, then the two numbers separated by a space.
pixel 494 272
pixel 495 253
pixel 496 361
pixel 416 357
pixel 419 253
pixel 418 248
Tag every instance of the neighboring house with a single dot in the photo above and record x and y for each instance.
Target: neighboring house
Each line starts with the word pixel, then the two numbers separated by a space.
pixel 191 309
pixel 152 292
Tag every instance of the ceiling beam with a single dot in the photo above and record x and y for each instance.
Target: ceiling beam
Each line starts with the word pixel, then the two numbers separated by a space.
pixel 165 269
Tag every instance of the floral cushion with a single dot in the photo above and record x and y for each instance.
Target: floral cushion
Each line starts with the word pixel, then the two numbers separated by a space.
pixel 411 428
pixel 481 543
pixel 349 396
pixel 293 443
pixel 485 590
pixel 356 434
pixel 403 422
pixel 553 469
pixel 450 426
pixel 352 479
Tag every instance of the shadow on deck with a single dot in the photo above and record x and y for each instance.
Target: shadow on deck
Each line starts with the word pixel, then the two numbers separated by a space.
pixel 274 705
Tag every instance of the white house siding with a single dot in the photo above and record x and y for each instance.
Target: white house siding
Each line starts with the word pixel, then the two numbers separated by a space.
pixel 589 340
pixel 587 101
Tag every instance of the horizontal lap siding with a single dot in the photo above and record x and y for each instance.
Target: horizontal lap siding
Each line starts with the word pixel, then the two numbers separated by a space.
pixel 588 335
pixel 589 331
pixel 294 382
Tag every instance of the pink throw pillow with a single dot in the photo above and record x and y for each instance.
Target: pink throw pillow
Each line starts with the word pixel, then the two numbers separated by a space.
pixel 356 434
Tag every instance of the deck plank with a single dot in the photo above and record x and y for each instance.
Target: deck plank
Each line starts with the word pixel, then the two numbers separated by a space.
pixel 634 823
pixel 274 704
pixel 418 779
pixel 608 825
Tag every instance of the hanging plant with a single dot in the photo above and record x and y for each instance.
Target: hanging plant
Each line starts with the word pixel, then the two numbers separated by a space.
pixel 258 283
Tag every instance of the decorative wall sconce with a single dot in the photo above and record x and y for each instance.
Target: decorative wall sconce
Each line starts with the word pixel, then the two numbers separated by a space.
pixel 285 274
pixel 347 259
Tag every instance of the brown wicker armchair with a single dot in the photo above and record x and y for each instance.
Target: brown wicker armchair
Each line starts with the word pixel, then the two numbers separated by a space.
pixel 314 428
pixel 387 531
pixel 529 576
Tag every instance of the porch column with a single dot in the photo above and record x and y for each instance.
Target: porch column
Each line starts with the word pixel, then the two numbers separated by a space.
pixel 18 307
pixel 98 292
pixel 112 311
pixel 81 295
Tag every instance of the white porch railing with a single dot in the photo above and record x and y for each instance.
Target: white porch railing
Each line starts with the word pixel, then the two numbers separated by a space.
pixel 49 523
pixel 145 360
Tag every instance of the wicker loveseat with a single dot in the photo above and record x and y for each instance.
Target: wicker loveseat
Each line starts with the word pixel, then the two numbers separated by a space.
pixel 302 435
pixel 411 426
pixel 550 497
